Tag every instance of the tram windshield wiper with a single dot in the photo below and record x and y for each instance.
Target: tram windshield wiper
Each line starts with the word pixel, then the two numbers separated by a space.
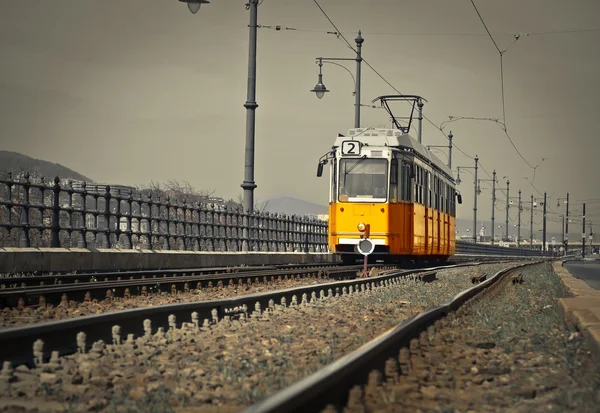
pixel 362 158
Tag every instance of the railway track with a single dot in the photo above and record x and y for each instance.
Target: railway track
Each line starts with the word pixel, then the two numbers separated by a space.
pixel 126 285
pixel 56 289
pixel 40 280
pixel 347 382
pixel 67 336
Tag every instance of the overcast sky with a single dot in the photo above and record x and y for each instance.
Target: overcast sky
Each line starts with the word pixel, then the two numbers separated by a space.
pixel 136 91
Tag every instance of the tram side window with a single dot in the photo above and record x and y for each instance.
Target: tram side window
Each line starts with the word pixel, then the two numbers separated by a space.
pixel 334 180
pixel 418 192
pixel 405 181
pixel 442 196
pixel 438 195
pixel 448 193
pixel 429 189
pixel 438 187
pixel 394 179
pixel 415 185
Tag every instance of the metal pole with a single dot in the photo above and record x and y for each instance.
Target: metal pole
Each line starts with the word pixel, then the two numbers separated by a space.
pixel 420 135
pixel 450 136
pixel 563 232
pixel 567 227
pixel 531 225
pixel 591 239
pixel 359 41
pixel 507 206
pixel 248 185
pixel 519 222
pixel 583 237
pixel 493 203
pixel 475 203
pixel 544 225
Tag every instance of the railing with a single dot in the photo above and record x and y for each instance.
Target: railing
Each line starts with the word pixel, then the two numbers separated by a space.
pixel 66 214
pixel 465 247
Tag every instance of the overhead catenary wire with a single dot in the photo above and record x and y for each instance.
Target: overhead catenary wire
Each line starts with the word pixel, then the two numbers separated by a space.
pixel 341 36
pixel 501 54
pixel 279 27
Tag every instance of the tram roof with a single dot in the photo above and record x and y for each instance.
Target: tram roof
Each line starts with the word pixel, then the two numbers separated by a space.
pixel 393 138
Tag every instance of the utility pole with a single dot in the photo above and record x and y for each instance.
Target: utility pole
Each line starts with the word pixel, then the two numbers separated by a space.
pixel 563 233
pixel 475 203
pixel 591 239
pixel 544 227
pixel 359 41
pixel 420 134
pixel 531 225
pixel 566 241
pixel 507 206
pixel 248 185
pixel 519 222
pixel 450 136
pixel 493 203
pixel 583 237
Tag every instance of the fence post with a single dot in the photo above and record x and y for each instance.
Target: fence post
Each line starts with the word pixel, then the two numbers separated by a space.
pixel 83 229
pixel 128 229
pixel 24 240
pixel 55 240
pixel 149 239
pixel 106 243
pixel 305 225
pixel 168 222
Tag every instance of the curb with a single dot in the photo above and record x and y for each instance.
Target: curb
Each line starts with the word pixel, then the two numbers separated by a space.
pixel 581 311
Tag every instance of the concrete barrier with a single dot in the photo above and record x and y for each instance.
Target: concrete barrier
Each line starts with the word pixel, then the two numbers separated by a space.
pixel 581 311
pixel 25 260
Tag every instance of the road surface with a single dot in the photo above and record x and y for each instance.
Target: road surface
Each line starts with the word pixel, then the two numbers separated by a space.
pixel 588 271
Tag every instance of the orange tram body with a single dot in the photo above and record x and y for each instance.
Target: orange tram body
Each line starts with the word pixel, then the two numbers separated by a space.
pixel 386 179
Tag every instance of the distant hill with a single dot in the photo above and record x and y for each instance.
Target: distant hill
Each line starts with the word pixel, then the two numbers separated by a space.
pixel 293 206
pixel 16 163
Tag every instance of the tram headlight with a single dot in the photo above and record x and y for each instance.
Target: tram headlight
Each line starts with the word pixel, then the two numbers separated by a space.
pixel 361 227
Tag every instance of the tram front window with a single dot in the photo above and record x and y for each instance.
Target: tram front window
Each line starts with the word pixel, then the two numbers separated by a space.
pixel 363 180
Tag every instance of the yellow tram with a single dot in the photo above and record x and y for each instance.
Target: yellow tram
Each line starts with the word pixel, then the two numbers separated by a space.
pixel 389 181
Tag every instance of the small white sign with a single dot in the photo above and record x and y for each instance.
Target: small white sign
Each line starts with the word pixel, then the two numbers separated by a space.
pixel 351 148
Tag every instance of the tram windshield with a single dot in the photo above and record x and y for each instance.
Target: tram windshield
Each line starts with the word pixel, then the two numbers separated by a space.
pixel 363 180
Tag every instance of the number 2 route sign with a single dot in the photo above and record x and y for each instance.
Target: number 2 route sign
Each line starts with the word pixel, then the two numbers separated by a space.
pixel 351 148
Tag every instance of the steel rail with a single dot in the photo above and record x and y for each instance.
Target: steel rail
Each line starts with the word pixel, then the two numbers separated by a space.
pixel 47 279
pixel 172 281
pixel 331 384
pixel 99 290
pixel 61 336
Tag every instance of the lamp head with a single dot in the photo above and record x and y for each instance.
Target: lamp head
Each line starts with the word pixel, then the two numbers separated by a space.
pixel 194 5
pixel 320 88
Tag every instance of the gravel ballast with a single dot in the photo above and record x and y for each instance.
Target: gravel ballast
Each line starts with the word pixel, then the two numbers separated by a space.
pixel 508 352
pixel 228 366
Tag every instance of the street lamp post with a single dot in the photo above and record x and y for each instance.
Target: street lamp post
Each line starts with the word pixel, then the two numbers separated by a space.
pixel 320 88
pixel 449 146
pixel 475 193
pixel 565 238
pixel 493 200
pixel 531 225
pixel 519 222
pixel 544 226
pixel 507 205
pixel 248 184
pixel 583 237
